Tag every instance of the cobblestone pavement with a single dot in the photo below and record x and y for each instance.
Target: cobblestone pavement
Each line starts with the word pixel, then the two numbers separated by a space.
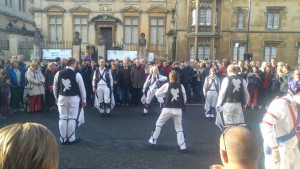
pixel 120 142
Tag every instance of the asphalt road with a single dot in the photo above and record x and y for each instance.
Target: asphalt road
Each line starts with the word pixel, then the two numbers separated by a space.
pixel 120 142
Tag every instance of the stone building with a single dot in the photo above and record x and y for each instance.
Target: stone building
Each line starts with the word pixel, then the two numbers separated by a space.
pixel 219 29
pixel 16 28
pixel 119 22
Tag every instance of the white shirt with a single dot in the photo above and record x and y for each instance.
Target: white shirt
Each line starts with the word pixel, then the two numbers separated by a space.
pixel 152 82
pixel 101 81
pixel 79 80
pixel 278 122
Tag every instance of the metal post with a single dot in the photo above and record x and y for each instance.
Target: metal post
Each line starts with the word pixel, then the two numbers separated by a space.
pixel 248 31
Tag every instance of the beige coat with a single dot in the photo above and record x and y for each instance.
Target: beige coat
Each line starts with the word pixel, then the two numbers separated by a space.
pixel 34 77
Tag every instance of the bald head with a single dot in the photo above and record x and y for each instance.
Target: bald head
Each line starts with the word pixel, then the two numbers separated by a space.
pixel 241 146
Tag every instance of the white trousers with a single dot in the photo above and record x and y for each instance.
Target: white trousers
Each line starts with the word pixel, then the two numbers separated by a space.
pixel 68 107
pixel 233 113
pixel 211 100
pixel 166 114
pixel 289 159
pixel 103 93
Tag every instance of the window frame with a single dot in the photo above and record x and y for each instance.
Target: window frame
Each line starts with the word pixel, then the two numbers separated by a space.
pixel 131 29
pixel 206 49
pixel 270 53
pixel 240 12
pixel 298 53
pixel 62 27
pixel 157 26
pixel 80 25
pixel 271 13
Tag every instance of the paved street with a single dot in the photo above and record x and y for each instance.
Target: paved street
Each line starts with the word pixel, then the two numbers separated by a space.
pixel 120 142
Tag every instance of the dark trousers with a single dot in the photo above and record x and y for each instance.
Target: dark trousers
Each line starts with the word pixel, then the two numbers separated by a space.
pixel 16 97
pixel 187 87
pixel 136 96
pixel 49 99
pixel 117 94
pixel 125 89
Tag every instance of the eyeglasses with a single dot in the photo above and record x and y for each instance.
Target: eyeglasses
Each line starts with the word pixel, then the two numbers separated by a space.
pixel 227 127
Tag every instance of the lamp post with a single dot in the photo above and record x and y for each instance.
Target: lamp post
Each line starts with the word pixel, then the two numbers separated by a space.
pixel 248 30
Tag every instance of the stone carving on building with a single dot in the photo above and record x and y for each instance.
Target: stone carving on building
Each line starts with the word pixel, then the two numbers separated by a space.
pixel 37 37
pixel 142 41
pixel 77 40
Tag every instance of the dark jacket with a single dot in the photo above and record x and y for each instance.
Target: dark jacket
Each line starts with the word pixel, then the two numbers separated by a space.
pixel 187 75
pixel 125 76
pixel 49 78
pixel 137 77
pixel 116 74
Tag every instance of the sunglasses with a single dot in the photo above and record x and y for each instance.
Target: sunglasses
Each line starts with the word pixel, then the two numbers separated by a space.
pixel 227 127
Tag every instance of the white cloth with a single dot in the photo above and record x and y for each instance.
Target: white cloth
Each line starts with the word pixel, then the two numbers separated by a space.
pixel 211 101
pixel 100 97
pixel 211 94
pixel 68 107
pixel 81 117
pixel 153 84
pixel 278 122
pixel 167 113
pixel 233 113
pixel 68 111
pixel 101 81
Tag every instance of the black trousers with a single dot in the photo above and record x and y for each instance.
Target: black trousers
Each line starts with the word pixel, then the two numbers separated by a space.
pixel 136 96
pixel 16 97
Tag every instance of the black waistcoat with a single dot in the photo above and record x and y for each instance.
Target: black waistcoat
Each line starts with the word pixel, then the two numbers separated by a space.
pixel 67 84
pixel 174 96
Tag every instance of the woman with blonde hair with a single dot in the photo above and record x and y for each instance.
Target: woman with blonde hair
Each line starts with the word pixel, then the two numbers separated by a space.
pixel 28 146
pixel 36 82
pixel 150 86
pixel 175 97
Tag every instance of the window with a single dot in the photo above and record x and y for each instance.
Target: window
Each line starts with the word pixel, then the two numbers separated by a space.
pixel 270 52
pixel 8 3
pixel 192 53
pixel 203 49
pixel 205 13
pixel 22 5
pixel 80 25
pixel 273 17
pixel 131 30
pixel 238 53
pixel 55 27
pixel 157 31
pixel 194 17
pixel 216 18
pixel 240 20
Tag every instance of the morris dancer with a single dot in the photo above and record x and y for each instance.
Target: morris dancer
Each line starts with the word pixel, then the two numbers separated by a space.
pixel 103 85
pixel 68 87
pixel 233 97
pixel 280 129
pixel 211 88
pixel 150 86
pixel 175 100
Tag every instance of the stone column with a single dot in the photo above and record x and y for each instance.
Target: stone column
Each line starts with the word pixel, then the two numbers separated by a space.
pixel 101 51
pixel 76 52
pixel 37 52
pixel 13 44
pixel 142 52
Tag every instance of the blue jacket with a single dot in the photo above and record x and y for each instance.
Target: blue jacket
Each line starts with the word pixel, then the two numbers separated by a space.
pixel 13 77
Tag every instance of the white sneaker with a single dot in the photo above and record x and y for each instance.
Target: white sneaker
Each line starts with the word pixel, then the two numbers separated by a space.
pixel 145 111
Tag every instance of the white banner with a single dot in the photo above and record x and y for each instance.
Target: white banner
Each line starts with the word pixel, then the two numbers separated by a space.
pixel 121 54
pixel 53 53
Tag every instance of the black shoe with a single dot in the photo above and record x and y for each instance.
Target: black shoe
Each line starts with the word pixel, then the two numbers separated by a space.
pixel 102 115
pixel 183 150
pixel 65 143
pixel 145 114
pixel 75 141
